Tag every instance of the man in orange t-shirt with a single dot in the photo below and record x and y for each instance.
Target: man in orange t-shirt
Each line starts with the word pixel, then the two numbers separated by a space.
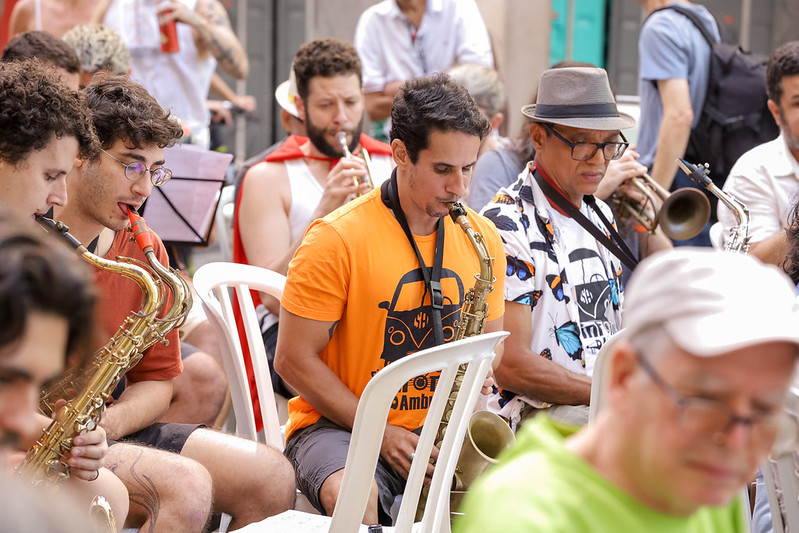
pixel 357 296
pixel 185 472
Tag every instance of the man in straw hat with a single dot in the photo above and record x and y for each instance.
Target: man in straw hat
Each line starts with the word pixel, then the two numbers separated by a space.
pixel 693 399
pixel 564 255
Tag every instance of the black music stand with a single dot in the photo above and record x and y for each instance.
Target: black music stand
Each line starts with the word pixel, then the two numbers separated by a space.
pixel 182 211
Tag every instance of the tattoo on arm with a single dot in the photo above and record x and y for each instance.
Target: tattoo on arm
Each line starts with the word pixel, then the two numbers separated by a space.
pixel 219 38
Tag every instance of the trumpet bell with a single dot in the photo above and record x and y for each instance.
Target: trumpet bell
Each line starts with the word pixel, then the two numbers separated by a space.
pixel 684 213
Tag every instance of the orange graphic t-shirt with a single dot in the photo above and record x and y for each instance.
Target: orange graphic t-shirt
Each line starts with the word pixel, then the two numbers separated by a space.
pixel 357 267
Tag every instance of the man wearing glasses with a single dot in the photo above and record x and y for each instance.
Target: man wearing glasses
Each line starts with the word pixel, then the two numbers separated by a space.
pixel 564 255
pixel 694 397
pixel 185 472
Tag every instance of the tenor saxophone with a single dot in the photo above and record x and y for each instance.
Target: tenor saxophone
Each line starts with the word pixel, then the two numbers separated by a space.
pixel 157 327
pixel 738 240
pixel 46 463
pixel 487 434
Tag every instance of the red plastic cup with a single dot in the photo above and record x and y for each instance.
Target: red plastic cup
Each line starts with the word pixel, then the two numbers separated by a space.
pixel 169 37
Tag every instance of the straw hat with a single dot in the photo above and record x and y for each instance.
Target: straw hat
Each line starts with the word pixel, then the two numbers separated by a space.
pixel 286 94
pixel 579 97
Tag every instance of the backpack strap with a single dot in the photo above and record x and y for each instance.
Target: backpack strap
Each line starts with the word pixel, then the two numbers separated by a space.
pixel 694 18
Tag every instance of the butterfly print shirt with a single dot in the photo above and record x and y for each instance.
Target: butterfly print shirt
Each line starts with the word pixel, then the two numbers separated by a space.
pixel 555 266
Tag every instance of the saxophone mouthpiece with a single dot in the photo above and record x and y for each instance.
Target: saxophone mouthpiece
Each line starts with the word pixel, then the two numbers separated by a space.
pixel 697 173
pixel 140 230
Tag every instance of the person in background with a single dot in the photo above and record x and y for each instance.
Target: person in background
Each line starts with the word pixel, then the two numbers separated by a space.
pixel 42 45
pixel 307 178
pixel 766 178
pixel 99 48
pixel 674 61
pixel 180 80
pixel 402 39
pixel 487 89
pixel 694 397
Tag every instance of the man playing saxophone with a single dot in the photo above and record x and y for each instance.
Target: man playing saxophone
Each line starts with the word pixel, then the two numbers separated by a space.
pixel 45 129
pixel 563 291
pixel 766 178
pixel 361 288
pixel 184 472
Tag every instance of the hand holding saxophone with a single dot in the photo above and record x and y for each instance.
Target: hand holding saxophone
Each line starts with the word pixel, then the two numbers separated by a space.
pixel 398 447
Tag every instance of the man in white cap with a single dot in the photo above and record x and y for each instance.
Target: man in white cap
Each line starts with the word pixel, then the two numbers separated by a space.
pixel 308 177
pixel 694 394
pixel 562 291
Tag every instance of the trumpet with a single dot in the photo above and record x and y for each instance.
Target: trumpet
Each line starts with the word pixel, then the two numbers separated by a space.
pixel 683 214
pixel 364 155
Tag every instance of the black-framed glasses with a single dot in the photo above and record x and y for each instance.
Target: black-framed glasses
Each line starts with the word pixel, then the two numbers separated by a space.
pixel 135 170
pixel 584 151
pixel 714 418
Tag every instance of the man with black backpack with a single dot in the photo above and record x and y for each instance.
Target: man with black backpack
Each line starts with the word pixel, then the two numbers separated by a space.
pixel 701 99
pixel 766 178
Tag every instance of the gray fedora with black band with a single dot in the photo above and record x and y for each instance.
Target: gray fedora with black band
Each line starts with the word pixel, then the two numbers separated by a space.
pixel 579 97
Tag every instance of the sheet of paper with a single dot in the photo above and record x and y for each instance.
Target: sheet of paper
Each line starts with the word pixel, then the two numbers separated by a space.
pixel 182 210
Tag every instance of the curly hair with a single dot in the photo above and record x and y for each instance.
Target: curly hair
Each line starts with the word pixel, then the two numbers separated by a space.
pixel 99 48
pixel 790 263
pixel 327 58
pixel 123 109
pixel 435 102
pixel 784 61
pixel 35 106
pixel 39 274
pixel 44 46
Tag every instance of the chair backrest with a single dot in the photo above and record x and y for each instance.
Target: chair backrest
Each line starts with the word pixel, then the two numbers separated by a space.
pixel 782 480
pixel 215 283
pixel 476 353
pixel 223 220
pixel 597 379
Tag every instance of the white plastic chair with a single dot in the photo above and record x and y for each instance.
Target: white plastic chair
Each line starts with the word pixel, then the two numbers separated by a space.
pixel 373 408
pixel 214 283
pixel 782 482
pixel 598 378
pixel 223 220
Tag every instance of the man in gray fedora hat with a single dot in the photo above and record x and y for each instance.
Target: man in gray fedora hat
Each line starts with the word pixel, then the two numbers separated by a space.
pixel 564 256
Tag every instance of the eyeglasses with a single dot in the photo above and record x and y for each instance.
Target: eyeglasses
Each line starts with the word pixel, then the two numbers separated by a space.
pixel 584 151
pixel 135 170
pixel 714 418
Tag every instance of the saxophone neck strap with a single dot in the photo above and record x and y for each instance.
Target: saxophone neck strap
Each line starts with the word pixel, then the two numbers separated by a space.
pixel 432 279
pixel 615 244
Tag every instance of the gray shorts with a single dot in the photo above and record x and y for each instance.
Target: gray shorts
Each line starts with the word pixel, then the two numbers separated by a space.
pixel 319 450
pixel 167 437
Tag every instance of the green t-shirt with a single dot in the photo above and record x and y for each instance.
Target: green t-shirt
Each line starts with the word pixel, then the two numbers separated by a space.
pixel 539 485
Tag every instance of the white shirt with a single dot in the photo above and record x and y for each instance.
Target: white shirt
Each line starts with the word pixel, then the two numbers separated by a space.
pixel 766 180
pixel 390 48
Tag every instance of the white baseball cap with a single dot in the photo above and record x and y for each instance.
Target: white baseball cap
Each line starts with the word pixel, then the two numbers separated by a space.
pixel 711 302
pixel 286 94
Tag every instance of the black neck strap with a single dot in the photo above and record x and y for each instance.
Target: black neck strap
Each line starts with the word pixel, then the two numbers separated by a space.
pixel 432 280
pixel 615 244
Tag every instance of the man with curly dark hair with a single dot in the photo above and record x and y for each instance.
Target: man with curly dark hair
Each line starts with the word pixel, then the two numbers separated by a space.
pixel 306 178
pixel 48 48
pixel 45 126
pixel 184 471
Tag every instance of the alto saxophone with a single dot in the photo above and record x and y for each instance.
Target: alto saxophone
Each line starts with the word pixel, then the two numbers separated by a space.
pixel 46 463
pixel 738 240
pixel 487 434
